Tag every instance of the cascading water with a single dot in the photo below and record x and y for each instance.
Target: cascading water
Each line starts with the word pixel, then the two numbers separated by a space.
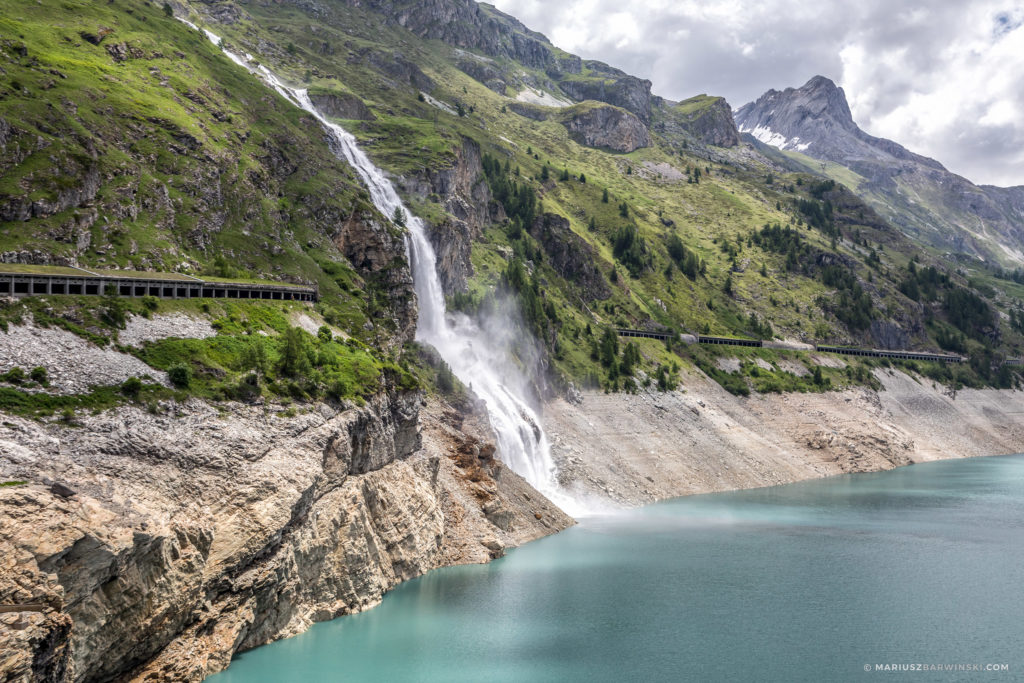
pixel 467 348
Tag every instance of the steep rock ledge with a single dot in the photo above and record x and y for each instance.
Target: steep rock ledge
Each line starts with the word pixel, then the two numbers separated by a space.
pixel 463 192
pixel 156 546
pixel 605 127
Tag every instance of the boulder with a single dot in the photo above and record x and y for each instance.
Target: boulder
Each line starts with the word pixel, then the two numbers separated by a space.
pixel 605 127
pixel 339 105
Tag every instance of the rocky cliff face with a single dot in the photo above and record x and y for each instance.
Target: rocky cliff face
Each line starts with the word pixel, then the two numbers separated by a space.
pixel 605 127
pixel 614 87
pixel 155 546
pixel 463 192
pixel 709 119
pixel 377 251
pixel 570 255
pixel 816 120
pixel 465 23
pixel 341 106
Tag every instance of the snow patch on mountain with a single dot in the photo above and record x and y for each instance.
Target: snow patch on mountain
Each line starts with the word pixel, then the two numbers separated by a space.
pixel 541 98
pixel 770 137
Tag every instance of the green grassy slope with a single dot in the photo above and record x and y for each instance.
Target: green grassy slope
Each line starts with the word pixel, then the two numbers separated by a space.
pixel 745 281
pixel 686 240
pixel 129 141
pixel 153 151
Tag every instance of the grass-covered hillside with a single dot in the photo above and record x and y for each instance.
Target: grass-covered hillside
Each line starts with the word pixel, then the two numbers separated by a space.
pixel 199 167
pixel 683 233
pixel 130 141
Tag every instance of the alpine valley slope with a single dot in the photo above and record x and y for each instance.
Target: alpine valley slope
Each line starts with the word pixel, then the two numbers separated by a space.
pixel 599 203
pixel 272 466
pixel 914 192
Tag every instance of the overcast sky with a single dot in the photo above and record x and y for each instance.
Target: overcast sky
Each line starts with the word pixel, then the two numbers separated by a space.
pixel 943 78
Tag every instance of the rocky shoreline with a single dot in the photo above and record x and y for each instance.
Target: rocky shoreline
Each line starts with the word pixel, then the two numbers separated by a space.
pixel 156 544
pixel 638 449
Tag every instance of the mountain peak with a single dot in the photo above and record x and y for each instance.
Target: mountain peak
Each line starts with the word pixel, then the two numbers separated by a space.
pixel 829 98
pixel 820 82
pixel 797 118
pixel 816 119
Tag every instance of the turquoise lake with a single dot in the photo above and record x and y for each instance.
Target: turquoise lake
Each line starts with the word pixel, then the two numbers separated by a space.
pixel 813 581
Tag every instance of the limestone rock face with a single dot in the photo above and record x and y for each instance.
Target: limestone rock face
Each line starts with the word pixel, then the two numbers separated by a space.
pixel 570 255
pixel 463 191
pixel 185 536
pixel 342 106
pixel 35 635
pixel 606 127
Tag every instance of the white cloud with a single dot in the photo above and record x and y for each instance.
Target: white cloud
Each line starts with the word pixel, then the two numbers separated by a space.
pixel 945 79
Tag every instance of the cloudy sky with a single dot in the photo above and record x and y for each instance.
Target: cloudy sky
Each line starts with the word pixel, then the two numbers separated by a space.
pixel 944 78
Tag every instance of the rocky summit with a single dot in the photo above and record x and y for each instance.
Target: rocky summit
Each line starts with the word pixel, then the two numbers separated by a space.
pixel 815 121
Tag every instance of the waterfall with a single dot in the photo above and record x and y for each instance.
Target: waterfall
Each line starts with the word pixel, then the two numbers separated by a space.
pixel 468 349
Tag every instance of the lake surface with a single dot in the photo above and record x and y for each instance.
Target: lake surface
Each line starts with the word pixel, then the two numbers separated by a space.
pixel 806 582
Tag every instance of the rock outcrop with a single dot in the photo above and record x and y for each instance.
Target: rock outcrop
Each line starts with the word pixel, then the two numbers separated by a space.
pixel 709 119
pixel 376 249
pixel 340 105
pixel 467 24
pixel 484 72
pixel 571 256
pixel 605 127
pixel 462 190
pixel 155 546
pixel 613 87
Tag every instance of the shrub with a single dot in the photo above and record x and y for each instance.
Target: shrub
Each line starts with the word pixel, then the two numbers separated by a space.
pixel 180 376
pixel 132 387
pixel 13 376
pixel 39 375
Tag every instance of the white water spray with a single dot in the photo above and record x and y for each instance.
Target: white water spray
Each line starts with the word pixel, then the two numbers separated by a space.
pixel 467 348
